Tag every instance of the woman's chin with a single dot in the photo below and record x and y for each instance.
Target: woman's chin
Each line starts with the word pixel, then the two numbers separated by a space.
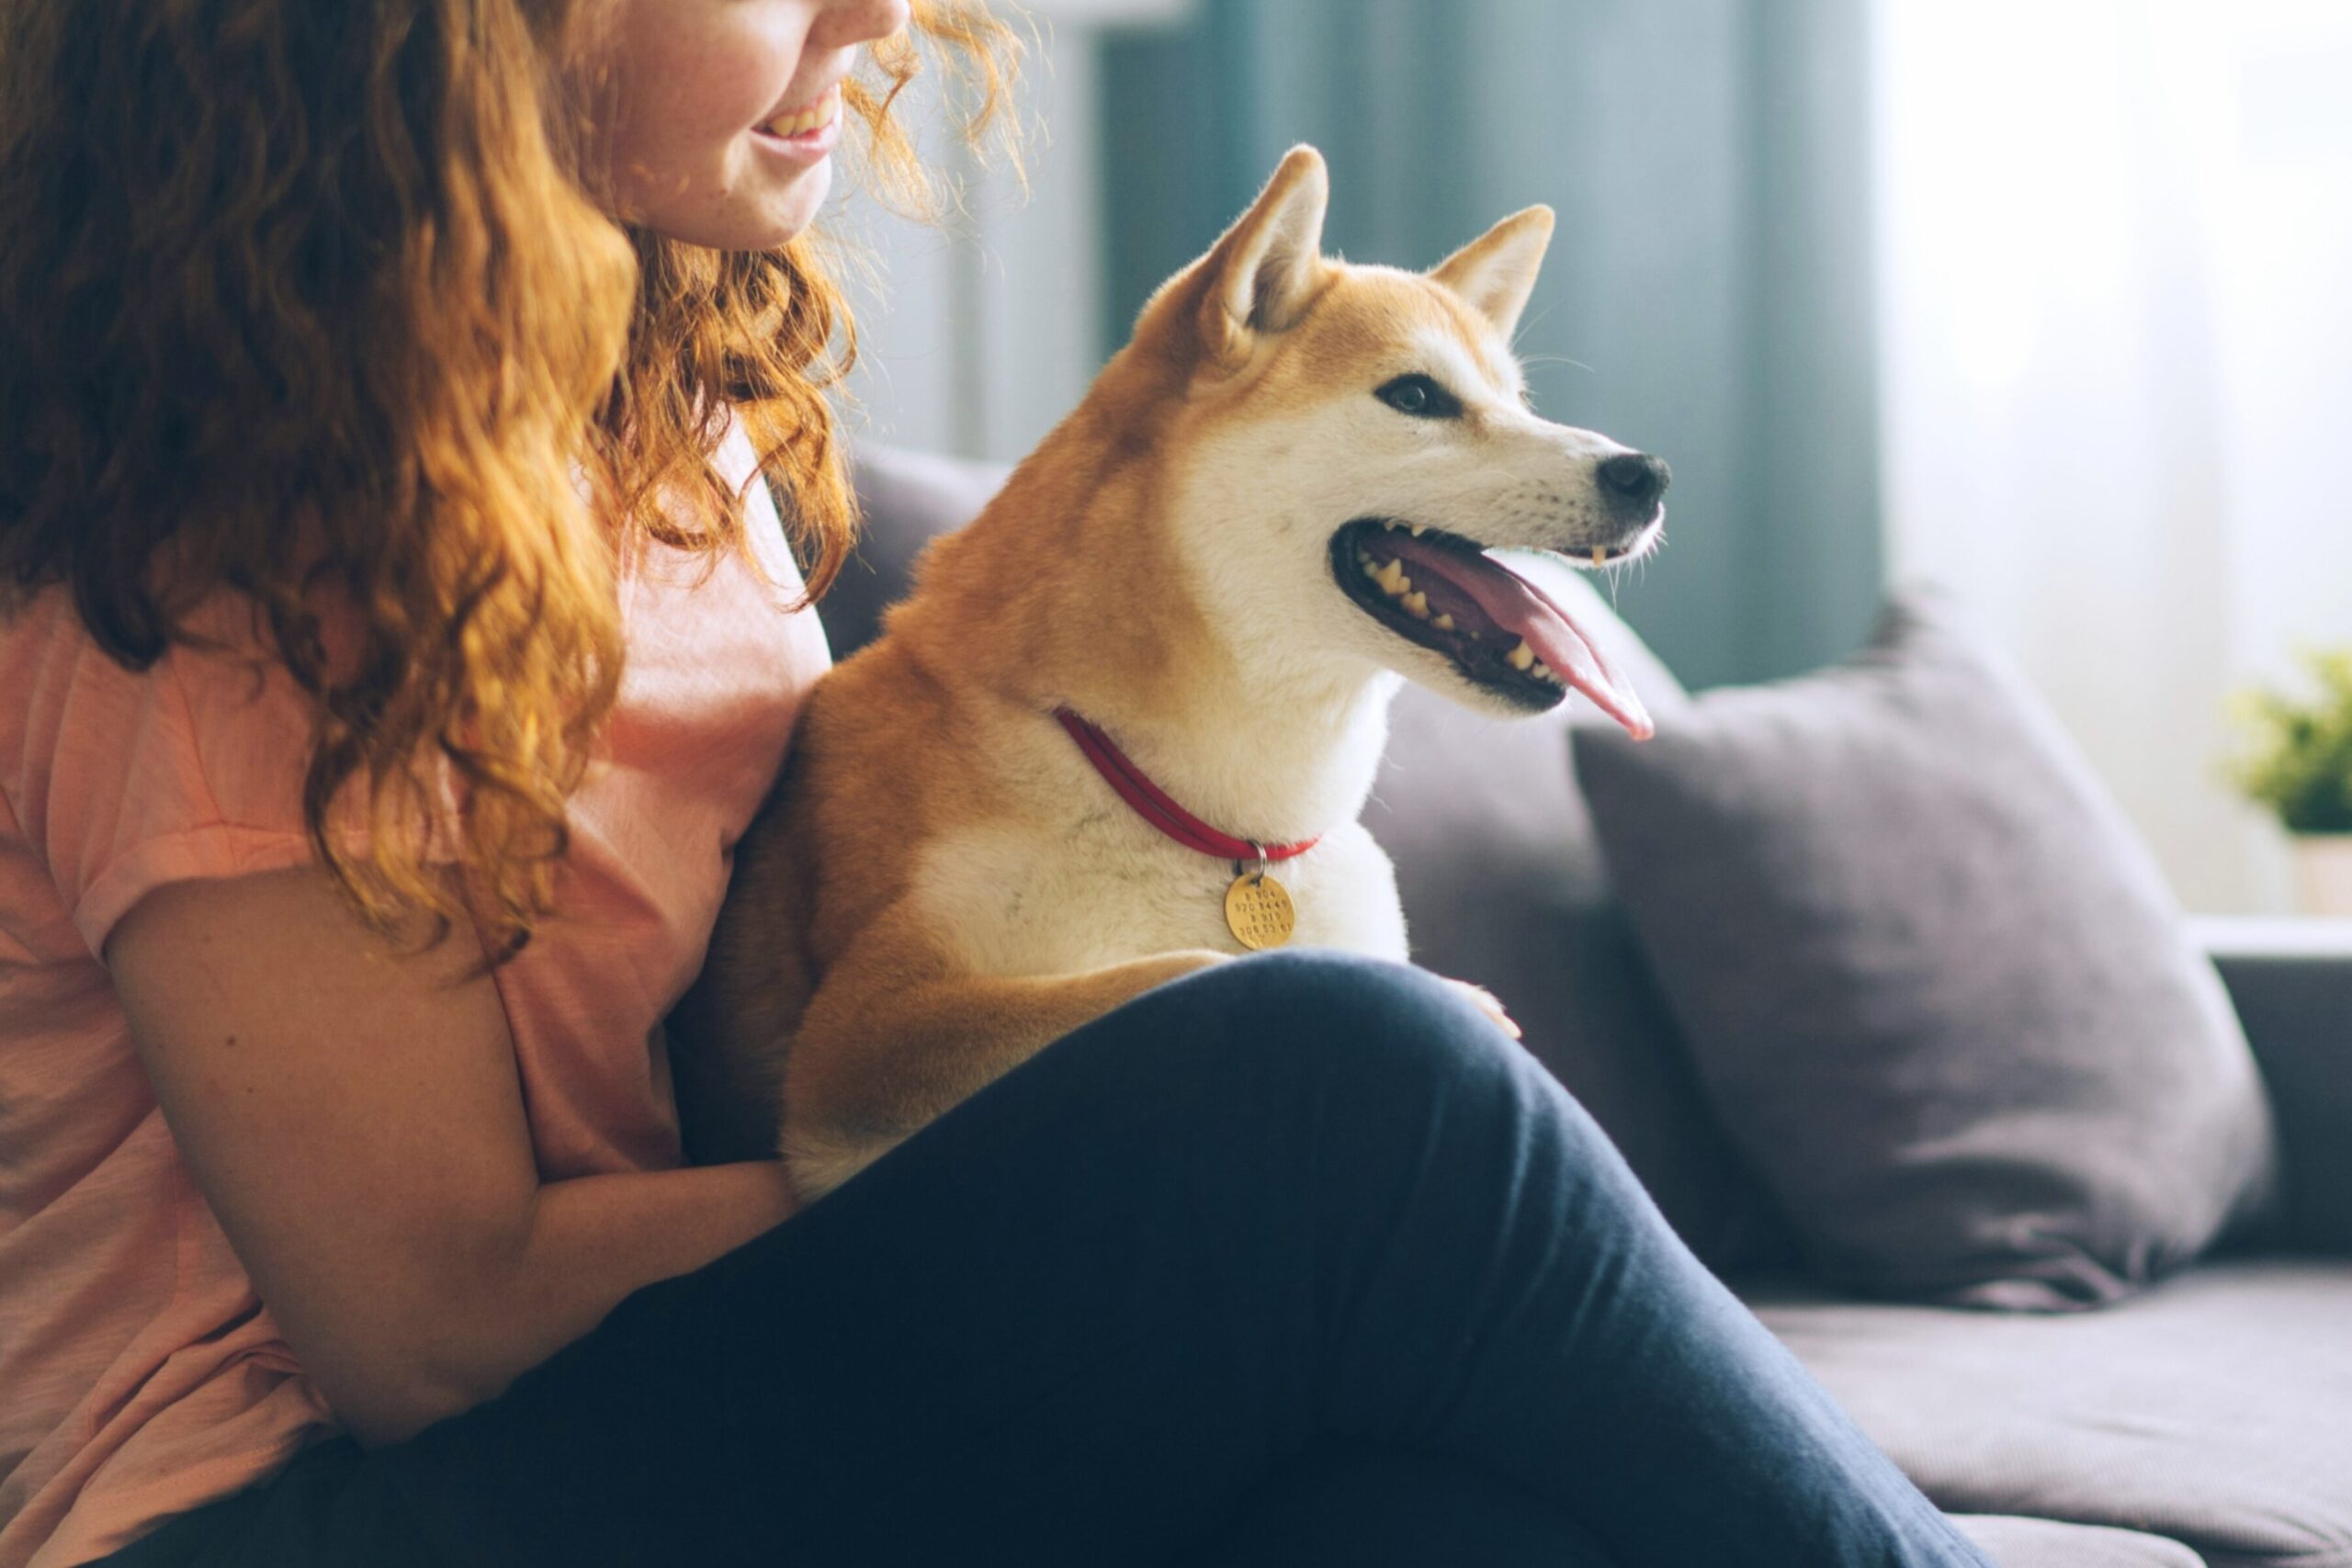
pixel 790 211
pixel 759 214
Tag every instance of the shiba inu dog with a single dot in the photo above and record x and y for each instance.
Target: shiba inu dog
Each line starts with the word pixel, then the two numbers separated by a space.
pixel 1153 677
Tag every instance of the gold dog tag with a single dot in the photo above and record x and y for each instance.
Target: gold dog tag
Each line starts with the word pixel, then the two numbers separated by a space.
pixel 1257 911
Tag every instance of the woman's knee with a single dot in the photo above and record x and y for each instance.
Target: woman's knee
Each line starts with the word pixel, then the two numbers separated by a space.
pixel 1297 1089
pixel 1364 1045
pixel 1312 1003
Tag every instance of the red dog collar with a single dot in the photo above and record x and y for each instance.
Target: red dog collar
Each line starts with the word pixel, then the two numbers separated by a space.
pixel 1154 804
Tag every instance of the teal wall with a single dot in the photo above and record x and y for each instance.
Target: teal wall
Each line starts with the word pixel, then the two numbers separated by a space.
pixel 1708 292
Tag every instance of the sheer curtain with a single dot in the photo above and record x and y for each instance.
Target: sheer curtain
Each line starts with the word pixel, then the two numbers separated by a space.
pixel 2115 245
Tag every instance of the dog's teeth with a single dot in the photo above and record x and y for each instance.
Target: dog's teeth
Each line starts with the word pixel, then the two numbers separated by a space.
pixel 1543 672
pixel 1417 605
pixel 1391 578
pixel 1600 556
pixel 1370 569
pixel 1520 656
pixel 1443 622
pixel 1419 529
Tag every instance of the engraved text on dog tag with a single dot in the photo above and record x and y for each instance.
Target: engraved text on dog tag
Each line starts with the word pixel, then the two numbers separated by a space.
pixel 1257 911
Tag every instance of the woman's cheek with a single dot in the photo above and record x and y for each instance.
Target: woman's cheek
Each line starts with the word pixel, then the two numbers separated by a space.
pixel 688 95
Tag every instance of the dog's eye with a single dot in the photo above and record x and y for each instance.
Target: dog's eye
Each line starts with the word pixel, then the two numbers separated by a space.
pixel 1418 396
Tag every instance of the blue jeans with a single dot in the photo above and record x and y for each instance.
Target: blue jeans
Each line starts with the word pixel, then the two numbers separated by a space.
pixel 1295 1261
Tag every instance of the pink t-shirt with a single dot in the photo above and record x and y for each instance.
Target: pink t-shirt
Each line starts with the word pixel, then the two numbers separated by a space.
pixel 140 1376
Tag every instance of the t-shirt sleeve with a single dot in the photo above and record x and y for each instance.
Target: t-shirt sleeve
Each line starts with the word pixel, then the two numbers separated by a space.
pixel 122 781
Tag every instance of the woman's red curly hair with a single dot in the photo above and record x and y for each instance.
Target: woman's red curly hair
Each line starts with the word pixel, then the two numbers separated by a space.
pixel 296 294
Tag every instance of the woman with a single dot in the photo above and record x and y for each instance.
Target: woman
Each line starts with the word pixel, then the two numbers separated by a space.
pixel 395 641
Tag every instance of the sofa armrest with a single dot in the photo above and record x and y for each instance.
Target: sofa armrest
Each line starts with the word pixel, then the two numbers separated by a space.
pixel 2291 982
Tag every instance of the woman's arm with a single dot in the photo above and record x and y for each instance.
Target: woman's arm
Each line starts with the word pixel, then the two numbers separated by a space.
pixel 353 1115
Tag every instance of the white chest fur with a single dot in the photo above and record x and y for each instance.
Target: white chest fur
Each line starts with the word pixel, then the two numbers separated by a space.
pixel 1109 888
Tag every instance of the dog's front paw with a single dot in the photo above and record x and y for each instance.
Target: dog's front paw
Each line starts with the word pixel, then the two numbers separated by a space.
pixel 1485 1002
pixel 821 1158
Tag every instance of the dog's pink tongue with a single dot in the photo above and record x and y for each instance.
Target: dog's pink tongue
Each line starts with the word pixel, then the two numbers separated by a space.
pixel 1518 605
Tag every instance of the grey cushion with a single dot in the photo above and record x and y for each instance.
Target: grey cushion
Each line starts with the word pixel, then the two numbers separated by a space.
pixel 2215 1408
pixel 1501 881
pixel 2013 1543
pixel 1936 988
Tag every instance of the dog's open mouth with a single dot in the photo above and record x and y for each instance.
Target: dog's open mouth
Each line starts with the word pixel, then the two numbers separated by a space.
pixel 1442 592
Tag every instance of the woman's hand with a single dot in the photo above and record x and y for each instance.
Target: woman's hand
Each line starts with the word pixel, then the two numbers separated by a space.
pixel 351 1111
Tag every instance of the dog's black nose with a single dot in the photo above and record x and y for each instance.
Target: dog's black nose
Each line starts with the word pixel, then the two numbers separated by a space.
pixel 1633 480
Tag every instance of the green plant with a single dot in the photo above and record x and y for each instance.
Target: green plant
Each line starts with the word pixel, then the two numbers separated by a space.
pixel 2298 759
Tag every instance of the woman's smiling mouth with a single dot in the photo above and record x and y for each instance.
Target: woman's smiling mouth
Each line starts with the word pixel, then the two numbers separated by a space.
pixel 803 124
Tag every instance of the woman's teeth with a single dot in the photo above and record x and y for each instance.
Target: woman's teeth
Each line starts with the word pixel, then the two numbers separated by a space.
pixel 819 113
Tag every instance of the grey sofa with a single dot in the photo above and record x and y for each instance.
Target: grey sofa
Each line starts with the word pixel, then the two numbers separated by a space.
pixel 2207 1420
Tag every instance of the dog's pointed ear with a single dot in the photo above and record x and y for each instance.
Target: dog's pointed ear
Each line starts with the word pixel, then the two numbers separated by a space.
pixel 1265 269
pixel 1496 272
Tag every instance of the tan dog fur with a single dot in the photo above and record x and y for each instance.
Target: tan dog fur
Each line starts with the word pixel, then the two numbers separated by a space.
pixel 941 885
